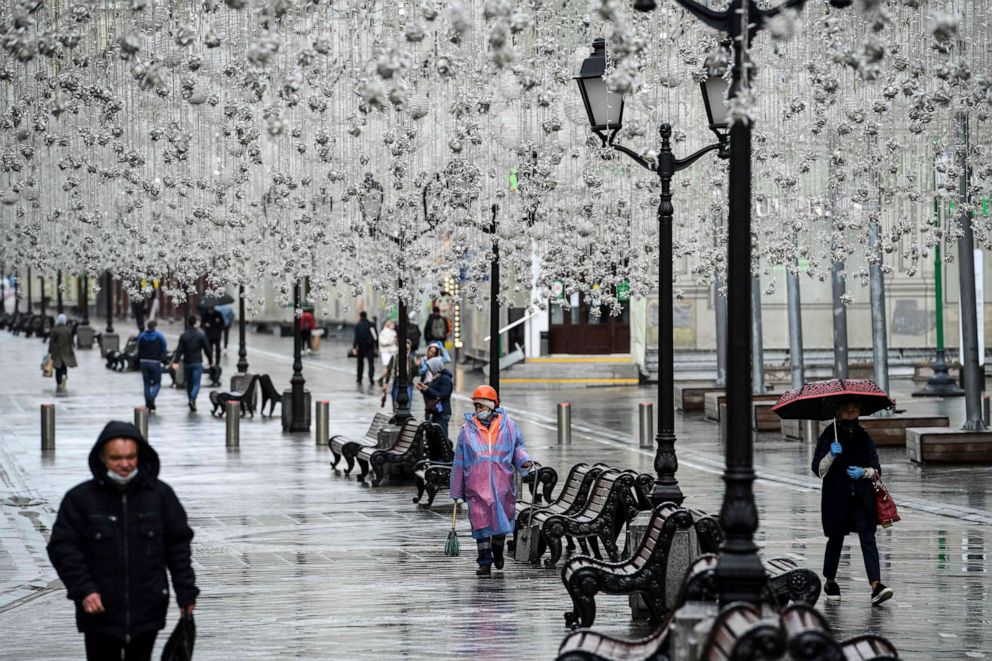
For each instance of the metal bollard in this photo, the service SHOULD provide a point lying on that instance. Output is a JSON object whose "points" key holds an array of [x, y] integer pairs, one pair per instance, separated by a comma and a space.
{"points": [[564, 423], [47, 427], [646, 416], [810, 431], [987, 410], [322, 431], [141, 420], [232, 411]]}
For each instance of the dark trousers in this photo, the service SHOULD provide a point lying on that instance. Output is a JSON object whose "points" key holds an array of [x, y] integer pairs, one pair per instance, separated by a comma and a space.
{"points": [[366, 356], [215, 348], [227, 335], [306, 337], [60, 373], [489, 548], [139, 319], [869, 550], [101, 647], [442, 420]]}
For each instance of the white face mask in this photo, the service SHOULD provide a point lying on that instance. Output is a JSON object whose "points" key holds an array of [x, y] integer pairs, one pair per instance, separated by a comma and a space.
{"points": [[484, 414], [117, 479]]}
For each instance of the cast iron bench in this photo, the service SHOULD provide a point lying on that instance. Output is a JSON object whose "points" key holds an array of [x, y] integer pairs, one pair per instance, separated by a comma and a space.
{"points": [[586, 644], [645, 572], [269, 394], [126, 357], [347, 447], [571, 500], [434, 475], [739, 634], [788, 582], [808, 639], [406, 452], [610, 504], [243, 393]]}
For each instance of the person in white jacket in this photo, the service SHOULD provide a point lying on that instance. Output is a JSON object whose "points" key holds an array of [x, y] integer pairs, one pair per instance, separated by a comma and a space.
{"points": [[389, 343]]}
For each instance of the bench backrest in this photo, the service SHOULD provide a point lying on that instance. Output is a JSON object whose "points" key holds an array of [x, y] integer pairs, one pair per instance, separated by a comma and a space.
{"points": [[806, 631], [407, 436], [241, 382], [269, 388], [379, 420], [573, 496], [608, 482], [740, 625]]}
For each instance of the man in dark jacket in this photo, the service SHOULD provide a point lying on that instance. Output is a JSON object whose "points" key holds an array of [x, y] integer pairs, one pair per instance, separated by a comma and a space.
{"points": [[363, 345], [113, 539], [213, 327], [192, 346], [151, 348], [437, 394]]}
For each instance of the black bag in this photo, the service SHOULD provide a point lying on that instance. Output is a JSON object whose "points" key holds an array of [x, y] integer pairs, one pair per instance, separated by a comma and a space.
{"points": [[179, 647]]}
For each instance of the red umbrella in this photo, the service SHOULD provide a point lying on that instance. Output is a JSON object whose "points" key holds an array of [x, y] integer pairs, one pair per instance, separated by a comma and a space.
{"points": [[819, 400]]}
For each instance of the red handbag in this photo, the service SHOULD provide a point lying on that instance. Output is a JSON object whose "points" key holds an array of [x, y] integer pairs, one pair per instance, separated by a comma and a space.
{"points": [[885, 507]]}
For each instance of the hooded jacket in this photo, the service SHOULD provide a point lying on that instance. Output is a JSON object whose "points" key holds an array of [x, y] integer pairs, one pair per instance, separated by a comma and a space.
{"points": [[119, 541], [482, 473]]}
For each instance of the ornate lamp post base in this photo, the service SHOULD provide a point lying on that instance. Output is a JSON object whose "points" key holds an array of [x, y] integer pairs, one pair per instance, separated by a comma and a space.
{"points": [[941, 383]]}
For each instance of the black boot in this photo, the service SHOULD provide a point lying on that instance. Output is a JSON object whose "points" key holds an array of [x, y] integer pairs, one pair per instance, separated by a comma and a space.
{"points": [[498, 545]]}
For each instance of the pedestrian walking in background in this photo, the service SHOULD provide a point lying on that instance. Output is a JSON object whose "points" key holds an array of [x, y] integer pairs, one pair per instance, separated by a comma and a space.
{"points": [[61, 351], [490, 447], [307, 324], [138, 308], [115, 536], [847, 461], [151, 347], [437, 394], [436, 327], [192, 347], [213, 327], [393, 377], [363, 346], [389, 345], [227, 312]]}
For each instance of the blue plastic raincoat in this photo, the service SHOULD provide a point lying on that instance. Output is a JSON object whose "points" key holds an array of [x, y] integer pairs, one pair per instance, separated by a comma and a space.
{"points": [[482, 475]]}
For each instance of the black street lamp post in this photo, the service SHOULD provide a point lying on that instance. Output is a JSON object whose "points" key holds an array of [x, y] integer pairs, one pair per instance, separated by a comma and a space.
{"points": [[30, 303], [739, 573], [41, 283], [242, 351], [606, 114], [297, 382], [58, 292], [494, 308], [84, 299], [109, 289], [402, 377]]}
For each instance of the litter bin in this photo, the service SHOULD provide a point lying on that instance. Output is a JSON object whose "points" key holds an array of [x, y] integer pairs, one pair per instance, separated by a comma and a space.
{"points": [[545, 343]]}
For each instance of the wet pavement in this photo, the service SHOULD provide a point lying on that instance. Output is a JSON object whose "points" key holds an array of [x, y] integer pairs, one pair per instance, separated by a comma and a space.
{"points": [[297, 561]]}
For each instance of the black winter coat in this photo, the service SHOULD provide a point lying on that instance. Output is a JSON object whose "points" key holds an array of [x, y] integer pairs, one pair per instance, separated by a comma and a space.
{"points": [[119, 541], [847, 505]]}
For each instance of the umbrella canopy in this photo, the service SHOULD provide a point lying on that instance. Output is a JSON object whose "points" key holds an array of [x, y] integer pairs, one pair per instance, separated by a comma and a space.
{"points": [[819, 400], [214, 301]]}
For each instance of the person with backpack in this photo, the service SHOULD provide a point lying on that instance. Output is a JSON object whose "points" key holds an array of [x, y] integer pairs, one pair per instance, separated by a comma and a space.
{"points": [[437, 394], [193, 345], [151, 347], [436, 328], [363, 346]]}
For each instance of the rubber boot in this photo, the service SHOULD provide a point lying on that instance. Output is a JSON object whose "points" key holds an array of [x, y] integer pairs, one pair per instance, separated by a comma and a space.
{"points": [[499, 543], [485, 558]]}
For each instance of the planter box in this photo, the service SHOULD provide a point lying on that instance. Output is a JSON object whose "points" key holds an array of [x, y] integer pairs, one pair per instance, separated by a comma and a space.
{"points": [[943, 444], [891, 432], [692, 396]]}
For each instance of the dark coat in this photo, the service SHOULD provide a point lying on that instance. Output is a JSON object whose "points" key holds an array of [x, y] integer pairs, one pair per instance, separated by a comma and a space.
{"points": [[213, 324], [364, 337], [193, 345], [440, 389], [118, 542], [60, 347], [847, 505]]}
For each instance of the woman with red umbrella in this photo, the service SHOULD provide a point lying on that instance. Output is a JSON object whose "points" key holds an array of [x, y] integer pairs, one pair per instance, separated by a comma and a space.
{"points": [[847, 461]]}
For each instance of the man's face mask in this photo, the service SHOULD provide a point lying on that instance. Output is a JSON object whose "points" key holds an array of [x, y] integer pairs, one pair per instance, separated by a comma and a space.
{"points": [[121, 480], [484, 414]]}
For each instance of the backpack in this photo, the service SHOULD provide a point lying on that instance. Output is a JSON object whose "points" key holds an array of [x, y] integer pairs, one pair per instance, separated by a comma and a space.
{"points": [[439, 328]]}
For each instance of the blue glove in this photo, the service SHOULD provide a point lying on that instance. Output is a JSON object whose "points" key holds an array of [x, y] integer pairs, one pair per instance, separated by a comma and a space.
{"points": [[835, 448], [855, 473]]}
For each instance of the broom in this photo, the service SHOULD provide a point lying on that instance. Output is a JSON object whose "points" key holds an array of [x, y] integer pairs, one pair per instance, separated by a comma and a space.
{"points": [[451, 546]]}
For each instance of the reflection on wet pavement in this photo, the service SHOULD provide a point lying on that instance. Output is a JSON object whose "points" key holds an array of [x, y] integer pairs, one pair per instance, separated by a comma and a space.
{"points": [[297, 561]]}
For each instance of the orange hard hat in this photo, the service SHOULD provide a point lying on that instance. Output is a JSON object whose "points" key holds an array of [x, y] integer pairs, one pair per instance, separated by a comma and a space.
{"points": [[485, 392]]}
